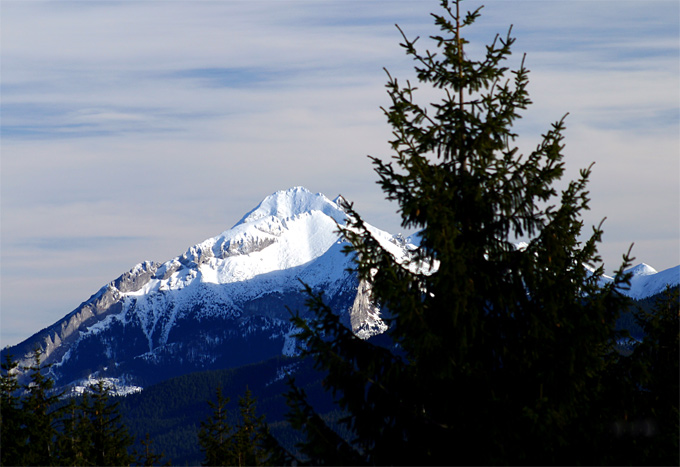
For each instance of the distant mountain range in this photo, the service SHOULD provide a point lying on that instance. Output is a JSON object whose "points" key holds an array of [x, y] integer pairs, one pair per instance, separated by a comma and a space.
{"points": [[225, 302]]}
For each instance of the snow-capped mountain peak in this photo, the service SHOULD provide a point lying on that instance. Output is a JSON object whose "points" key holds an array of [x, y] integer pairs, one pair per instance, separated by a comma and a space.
{"points": [[225, 301], [287, 229], [293, 202]]}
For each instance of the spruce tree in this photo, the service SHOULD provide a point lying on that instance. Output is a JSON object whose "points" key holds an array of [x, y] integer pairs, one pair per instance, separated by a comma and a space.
{"points": [[11, 416], [148, 457], [41, 415], [251, 433], [500, 353], [215, 435], [109, 442], [73, 444]]}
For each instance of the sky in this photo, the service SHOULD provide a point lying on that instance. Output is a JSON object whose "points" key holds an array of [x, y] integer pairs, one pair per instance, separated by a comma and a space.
{"points": [[132, 130]]}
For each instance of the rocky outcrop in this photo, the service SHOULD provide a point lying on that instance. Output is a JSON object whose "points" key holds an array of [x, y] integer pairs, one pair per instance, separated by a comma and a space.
{"points": [[365, 314], [136, 278]]}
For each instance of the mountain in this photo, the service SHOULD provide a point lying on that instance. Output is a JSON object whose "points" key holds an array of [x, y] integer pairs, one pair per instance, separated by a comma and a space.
{"points": [[225, 302]]}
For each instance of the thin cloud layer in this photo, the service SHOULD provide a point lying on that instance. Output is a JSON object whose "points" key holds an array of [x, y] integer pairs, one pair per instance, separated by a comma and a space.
{"points": [[132, 130]]}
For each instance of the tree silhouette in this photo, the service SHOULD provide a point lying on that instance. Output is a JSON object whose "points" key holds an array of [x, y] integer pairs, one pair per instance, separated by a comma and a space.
{"points": [[40, 416], [11, 416], [499, 353], [109, 440], [249, 442], [148, 457], [215, 435]]}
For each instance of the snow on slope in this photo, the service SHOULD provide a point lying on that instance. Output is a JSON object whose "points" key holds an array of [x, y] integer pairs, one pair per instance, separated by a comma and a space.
{"points": [[288, 229]]}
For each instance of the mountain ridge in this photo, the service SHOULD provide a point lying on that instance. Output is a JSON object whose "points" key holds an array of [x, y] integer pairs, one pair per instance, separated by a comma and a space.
{"points": [[224, 301]]}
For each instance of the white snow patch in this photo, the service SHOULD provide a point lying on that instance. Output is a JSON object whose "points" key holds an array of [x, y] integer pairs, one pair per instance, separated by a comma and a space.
{"points": [[290, 348], [283, 372], [116, 386]]}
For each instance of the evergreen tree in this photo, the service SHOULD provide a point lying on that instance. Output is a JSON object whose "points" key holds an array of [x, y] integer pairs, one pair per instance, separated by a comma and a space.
{"points": [[254, 444], [40, 416], [11, 415], [248, 434], [322, 445], [109, 440], [40, 429], [499, 354], [149, 457], [215, 435], [73, 444]]}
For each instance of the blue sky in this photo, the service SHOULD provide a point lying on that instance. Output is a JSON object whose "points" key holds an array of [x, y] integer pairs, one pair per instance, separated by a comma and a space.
{"points": [[133, 130]]}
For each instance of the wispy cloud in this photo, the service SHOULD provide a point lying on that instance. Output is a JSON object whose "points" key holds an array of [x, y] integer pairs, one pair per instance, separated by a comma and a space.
{"points": [[234, 77], [76, 243]]}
